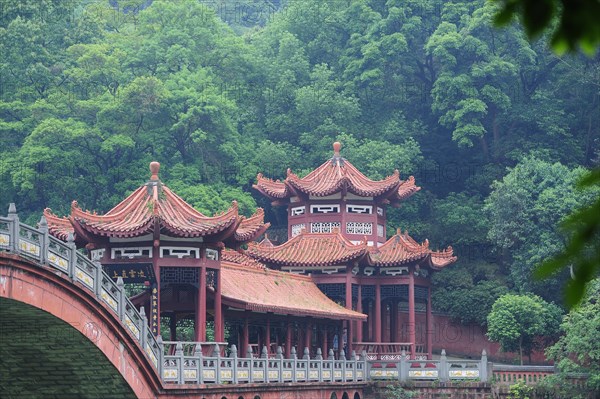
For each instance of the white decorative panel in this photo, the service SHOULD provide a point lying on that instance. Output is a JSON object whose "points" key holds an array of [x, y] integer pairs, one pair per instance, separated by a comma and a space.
{"points": [[299, 210], [359, 228], [323, 227], [212, 254], [366, 209], [179, 252], [131, 252], [329, 208], [379, 230], [97, 254], [297, 229], [380, 211]]}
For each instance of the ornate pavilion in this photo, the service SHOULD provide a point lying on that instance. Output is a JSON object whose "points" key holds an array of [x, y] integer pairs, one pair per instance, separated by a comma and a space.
{"points": [[336, 283]]}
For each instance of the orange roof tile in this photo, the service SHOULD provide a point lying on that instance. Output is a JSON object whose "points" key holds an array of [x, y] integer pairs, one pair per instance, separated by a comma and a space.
{"points": [[59, 227], [335, 175], [279, 292], [402, 248], [250, 228], [309, 250], [240, 258]]}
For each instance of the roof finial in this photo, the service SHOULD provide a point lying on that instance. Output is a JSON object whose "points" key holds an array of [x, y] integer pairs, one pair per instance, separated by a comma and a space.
{"points": [[336, 148], [154, 168]]}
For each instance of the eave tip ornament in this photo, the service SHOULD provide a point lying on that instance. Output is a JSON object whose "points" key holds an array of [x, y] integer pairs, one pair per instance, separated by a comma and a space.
{"points": [[337, 146], [154, 169]]}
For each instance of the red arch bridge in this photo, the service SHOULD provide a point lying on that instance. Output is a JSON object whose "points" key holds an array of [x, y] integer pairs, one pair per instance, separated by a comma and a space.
{"points": [[69, 330]]}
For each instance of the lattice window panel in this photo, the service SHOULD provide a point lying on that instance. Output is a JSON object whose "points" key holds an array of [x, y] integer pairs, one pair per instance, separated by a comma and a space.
{"points": [[379, 230], [333, 291], [297, 229], [359, 228], [380, 211], [365, 209], [212, 278], [330, 208], [394, 291], [367, 291], [324, 227], [179, 275]]}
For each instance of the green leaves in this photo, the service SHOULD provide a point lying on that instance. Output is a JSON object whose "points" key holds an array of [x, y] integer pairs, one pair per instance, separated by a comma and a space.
{"points": [[515, 320]]}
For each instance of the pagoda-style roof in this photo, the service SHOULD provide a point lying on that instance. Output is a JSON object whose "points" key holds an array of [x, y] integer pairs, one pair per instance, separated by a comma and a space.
{"points": [[327, 249], [266, 290], [402, 248], [309, 250], [249, 229], [337, 175], [154, 208]]}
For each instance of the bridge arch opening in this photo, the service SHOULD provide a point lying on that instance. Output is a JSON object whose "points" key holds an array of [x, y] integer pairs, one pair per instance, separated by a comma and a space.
{"points": [[333, 396], [356, 395], [345, 396], [44, 356]]}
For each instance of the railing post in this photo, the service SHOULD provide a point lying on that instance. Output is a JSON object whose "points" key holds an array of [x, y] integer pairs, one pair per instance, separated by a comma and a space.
{"points": [[13, 228], [443, 367], [72, 256], [233, 355], [365, 365], [483, 370], [250, 364], [343, 361], [331, 361], [121, 304], [218, 363], [403, 365], [161, 354], [97, 278], [319, 358], [294, 359], [199, 363], [279, 357], [144, 329], [354, 363], [265, 355], [43, 228], [179, 354], [306, 357]]}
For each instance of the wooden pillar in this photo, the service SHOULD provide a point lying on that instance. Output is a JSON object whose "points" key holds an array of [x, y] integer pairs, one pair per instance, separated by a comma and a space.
{"points": [[411, 313], [359, 323], [201, 307], [377, 337], [245, 336], [219, 321], [349, 333], [288, 338], [268, 335], [325, 341], [394, 320], [308, 335], [429, 325]]}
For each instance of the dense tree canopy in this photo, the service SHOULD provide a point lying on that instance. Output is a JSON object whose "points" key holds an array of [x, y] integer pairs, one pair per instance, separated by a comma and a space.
{"points": [[495, 129]]}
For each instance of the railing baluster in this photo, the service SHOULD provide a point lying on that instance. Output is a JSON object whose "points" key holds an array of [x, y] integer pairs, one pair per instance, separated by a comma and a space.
{"points": [[13, 228]]}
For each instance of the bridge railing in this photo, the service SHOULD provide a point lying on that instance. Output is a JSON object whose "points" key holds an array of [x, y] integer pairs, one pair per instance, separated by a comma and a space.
{"points": [[40, 246], [196, 368], [443, 369]]}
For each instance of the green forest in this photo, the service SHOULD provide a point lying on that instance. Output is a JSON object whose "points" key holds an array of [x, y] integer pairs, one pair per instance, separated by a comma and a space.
{"points": [[496, 129]]}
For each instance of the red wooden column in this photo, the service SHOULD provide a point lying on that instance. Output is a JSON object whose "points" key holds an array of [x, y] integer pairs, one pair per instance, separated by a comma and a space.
{"points": [[201, 307], [359, 323], [349, 332], [307, 336], [288, 339], [246, 337], [411, 313], [324, 344], [377, 337], [429, 325], [268, 335], [219, 327]]}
